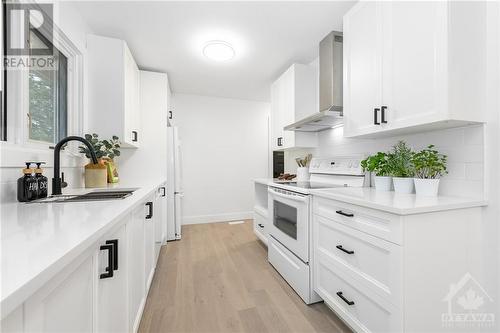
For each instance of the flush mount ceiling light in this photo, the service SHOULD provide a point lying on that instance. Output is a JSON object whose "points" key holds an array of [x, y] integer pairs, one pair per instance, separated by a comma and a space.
{"points": [[218, 50]]}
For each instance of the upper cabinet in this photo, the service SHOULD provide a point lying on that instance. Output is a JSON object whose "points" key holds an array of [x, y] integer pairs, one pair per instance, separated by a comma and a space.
{"points": [[113, 87], [411, 66], [293, 97]]}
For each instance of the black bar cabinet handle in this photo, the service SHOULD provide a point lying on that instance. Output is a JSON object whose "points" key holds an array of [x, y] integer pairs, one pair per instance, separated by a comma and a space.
{"points": [[114, 242], [383, 109], [344, 214], [134, 136], [109, 268], [280, 141], [340, 294], [342, 249], [150, 213], [375, 116], [260, 225], [170, 114], [163, 191]]}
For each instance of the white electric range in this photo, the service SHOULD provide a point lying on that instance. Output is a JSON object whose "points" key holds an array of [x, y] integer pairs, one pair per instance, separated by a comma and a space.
{"points": [[290, 217]]}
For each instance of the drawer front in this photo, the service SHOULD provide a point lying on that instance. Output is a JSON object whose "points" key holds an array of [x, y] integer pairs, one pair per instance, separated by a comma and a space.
{"points": [[366, 311], [259, 226], [371, 261], [291, 268], [377, 223]]}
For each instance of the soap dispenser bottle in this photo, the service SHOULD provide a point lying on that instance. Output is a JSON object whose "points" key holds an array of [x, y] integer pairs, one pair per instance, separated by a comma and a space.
{"points": [[27, 188], [42, 181]]}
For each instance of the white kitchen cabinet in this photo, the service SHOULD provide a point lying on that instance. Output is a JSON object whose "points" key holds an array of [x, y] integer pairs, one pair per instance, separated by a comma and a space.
{"points": [[65, 304], [405, 66], [293, 97], [113, 90], [112, 312], [160, 220], [260, 211], [135, 263], [149, 240], [386, 272]]}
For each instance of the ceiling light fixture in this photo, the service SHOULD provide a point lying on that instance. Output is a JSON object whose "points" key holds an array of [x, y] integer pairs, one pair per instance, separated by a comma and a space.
{"points": [[218, 50]]}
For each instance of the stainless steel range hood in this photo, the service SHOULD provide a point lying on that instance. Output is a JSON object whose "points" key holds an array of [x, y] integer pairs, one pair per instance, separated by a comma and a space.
{"points": [[330, 88]]}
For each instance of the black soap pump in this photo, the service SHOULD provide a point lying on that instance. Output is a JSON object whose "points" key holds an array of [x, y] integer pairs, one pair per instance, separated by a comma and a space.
{"points": [[27, 187], [42, 181]]}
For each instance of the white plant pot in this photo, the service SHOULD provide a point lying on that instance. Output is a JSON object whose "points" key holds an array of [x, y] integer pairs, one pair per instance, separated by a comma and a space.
{"points": [[302, 174], [427, 187], [383, 184], [403, 185]]}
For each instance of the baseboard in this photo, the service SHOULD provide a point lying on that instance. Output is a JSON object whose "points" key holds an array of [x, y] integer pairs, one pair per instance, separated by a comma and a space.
{"points": [[217, 218]]}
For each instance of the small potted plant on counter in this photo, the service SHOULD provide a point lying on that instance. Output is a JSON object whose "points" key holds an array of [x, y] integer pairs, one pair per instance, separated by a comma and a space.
{"points": [[430, 166], [401, 167], [378, 164], [98, 175]]}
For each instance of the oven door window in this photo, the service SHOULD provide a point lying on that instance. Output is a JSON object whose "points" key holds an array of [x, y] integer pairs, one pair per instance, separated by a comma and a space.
{"points": [[285, 218]]}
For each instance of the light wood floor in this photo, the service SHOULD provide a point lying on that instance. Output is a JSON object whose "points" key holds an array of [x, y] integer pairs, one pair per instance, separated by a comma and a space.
{"points": [[217, 279]]}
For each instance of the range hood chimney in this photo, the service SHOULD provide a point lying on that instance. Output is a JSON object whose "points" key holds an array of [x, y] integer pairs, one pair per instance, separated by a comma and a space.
{"points": [[330, 88]]}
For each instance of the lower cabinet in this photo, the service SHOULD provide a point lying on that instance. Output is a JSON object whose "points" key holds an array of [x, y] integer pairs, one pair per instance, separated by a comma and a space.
{"points": [[104, 289], [136, 279], [112, 282], [65, 304], [383, 272], [260, 226]]}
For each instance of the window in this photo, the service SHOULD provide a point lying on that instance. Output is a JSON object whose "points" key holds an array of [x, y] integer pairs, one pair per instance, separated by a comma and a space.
{"points": [[47, 116]]}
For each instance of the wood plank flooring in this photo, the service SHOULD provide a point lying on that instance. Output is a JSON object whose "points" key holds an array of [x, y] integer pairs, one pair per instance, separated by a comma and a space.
{"points": [[217, 279]]}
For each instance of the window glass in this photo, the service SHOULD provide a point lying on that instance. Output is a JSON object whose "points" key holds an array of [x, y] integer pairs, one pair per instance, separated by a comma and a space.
{"points": [[47, 118]]}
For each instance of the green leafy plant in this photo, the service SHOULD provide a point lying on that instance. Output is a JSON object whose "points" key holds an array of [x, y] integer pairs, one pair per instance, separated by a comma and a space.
{"points": [[400, 161], [429, 163], [102, 148], [377, 163]]}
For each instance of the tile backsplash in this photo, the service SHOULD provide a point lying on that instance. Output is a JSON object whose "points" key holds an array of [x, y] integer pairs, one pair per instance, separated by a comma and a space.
{"points": [[464, 147]]}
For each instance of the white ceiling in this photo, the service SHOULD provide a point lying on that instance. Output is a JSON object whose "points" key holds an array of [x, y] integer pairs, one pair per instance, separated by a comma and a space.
{"points": [[267, 36]]}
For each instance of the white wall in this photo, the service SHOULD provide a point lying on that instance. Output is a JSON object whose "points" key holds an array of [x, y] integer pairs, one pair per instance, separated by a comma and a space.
{"points": [[224, 147], [12, 156]]}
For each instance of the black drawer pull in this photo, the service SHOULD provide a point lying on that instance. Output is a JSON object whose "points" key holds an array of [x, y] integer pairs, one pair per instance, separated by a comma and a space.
{"points": [[163, 191], [375, 116], [260, 225], [109, 268], [344, 214], [339, 294], [114, 242], [383, 109], [150, 213], [134, 136], [344, 250]]}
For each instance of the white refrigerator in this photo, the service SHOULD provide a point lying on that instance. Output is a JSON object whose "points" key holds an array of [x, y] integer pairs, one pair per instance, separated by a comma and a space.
{"points": [[174, 184]]}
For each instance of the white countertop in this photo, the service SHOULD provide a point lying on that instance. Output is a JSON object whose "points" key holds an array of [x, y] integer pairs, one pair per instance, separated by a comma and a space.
{"points": [[396, 203], [40, 239]]}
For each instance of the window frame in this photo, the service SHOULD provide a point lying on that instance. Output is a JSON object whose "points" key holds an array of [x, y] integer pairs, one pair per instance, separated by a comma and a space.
{"points": [[16, 87]]}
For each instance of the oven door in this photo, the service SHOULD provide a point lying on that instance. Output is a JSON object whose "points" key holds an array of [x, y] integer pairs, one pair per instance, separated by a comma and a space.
{"points": [[289, 220]]}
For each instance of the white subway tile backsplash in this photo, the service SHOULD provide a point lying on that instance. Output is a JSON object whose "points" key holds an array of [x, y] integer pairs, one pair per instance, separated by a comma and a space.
{"points": [[474, 171], [474, 135], [464, 147]]}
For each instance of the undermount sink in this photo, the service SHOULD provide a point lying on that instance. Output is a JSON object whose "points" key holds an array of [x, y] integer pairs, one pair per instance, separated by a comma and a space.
{"points": [[90, 196]]}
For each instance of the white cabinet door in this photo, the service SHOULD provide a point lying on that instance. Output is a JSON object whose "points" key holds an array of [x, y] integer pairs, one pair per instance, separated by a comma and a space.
{"points": [[287, 106], [414, 62], [276, 117], [160, 220], [135, 265], [131, 88], [65, 304], [362, 68], [149, 240], [112, 313]]}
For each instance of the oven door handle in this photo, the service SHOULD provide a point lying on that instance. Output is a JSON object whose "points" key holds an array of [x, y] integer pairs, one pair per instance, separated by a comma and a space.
{"points": [[290, 197]]}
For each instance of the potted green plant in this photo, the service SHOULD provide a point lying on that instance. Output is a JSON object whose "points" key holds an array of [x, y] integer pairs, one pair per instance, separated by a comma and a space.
{"points": [[98, 175], [430, 166], [379, 166], [401, 167]]}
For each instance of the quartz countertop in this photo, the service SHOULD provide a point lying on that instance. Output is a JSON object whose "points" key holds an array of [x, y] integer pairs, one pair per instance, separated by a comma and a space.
{"points": [[40, 239], [397, 203]]}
